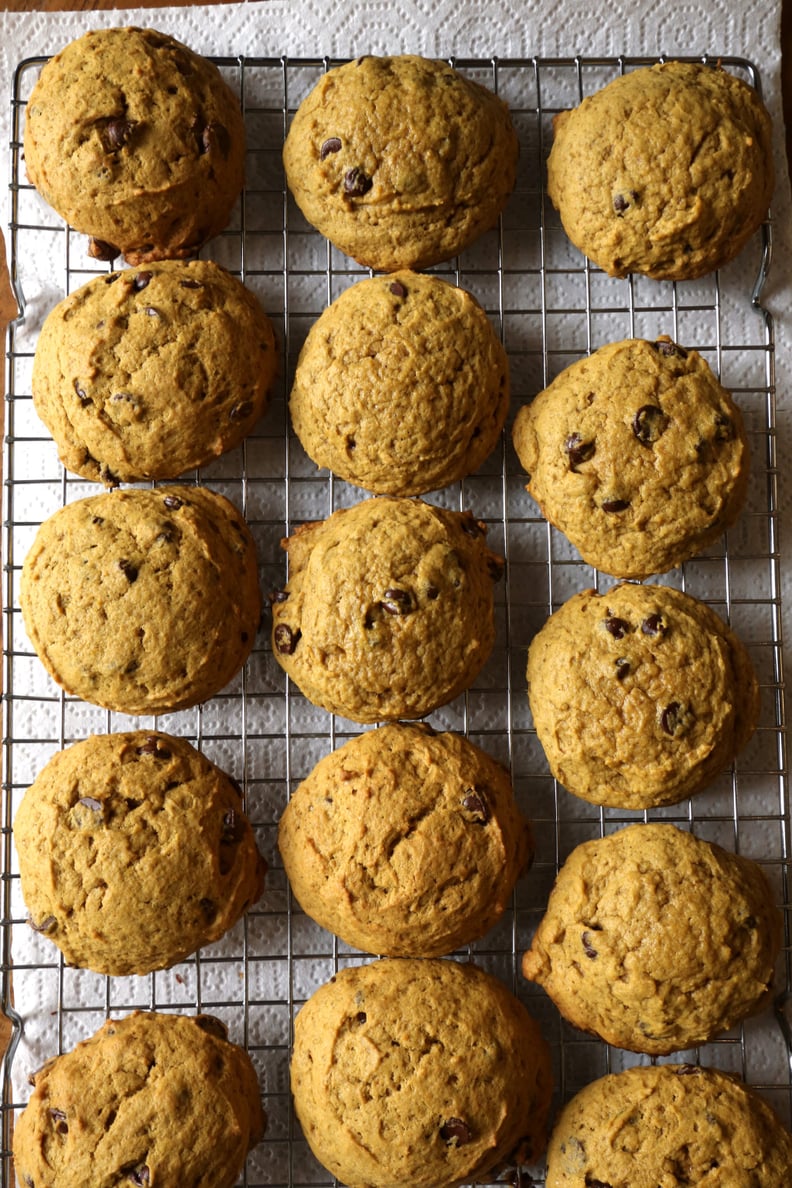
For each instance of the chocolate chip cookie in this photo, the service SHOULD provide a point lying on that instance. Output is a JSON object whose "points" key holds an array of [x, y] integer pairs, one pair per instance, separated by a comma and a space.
{"points": [[401, 162], [388, 611], [668, 1124], [150, 372], [402, 385], [148, 1099], [656, 940], [134, 852], [137, 142], [143, 601], [667, 170], [640, 695], [405, 842], [637, 454], [420, 1072]]}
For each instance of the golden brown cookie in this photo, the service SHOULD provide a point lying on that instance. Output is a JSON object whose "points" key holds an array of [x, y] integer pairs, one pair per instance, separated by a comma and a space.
{"points": [[134, 852], [136, 141], [150, 372], [656, 940], [637, 454], [640, 695], [674, 1124], [405, 842], [143, 601], [401, 162], [148, 1099], [419, 1072], [388, 611], [402, 385], [667, 170]]}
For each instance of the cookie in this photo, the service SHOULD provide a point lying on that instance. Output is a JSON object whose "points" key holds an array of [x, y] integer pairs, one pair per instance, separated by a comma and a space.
{"points": [[402, 385], [656, 940], [637, 454], [405, 842], [148, 1099], [668, 1124], [400, 162], [143, 601], [666, 171], [420, 1072], [136, 141], [388, 611], [640, 695], [150, 372], [134, 852]]}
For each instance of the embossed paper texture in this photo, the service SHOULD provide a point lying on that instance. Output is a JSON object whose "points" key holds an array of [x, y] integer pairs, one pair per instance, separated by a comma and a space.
{"points": [[550, 311]]}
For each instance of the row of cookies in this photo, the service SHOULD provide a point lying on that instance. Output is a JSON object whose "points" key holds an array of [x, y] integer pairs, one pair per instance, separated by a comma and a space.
{"points": [[394, 601]]}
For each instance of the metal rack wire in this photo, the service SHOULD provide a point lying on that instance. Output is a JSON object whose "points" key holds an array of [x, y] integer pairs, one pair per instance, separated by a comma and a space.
{"points": [[551, 307]]}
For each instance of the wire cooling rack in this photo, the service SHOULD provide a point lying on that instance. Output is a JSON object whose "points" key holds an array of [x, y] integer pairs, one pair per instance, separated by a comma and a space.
{"points": [[551, 307]]}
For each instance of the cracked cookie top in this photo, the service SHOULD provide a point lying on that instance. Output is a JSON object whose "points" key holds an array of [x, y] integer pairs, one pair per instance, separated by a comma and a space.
{"points": [[137, 142], [667, 170], [400, 162], [150, 372]]}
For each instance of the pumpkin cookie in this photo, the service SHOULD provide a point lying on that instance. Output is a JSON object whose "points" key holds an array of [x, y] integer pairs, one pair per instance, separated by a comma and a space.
{"points": [[671, 1123], [148, 1099], [150, 372], [667, 170], [405, 842], [656, 940], [420, 1072], [143, 601], [637, 454], [388, 611], [640, 695], [401, 162], [136, 141], [134, 852], [402, 385]]}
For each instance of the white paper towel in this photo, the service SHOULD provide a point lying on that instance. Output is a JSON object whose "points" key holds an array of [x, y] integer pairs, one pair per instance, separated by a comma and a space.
{"points": [[486, 29]]}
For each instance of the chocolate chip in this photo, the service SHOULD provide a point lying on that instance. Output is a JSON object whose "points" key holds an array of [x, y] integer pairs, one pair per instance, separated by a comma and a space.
{"points": [[151, 312], [279, 596], [653, 625], [212, 1026], [475, 801], [141, 280], [687, 1070], [611, 506], [455, 1132], [356, 182], [137, 1173], [154, 746], [232, 832], [215, 136], [620, 203], [432, 593], [592, 1183], [128, 569], [240, 411], [616, 627], [588, 948], [59, 1118], [668, 349], [361, 1017], [172, 502], [331, 145], [285, 639], [47, 925], [190, 284], [99, 249], [81, 393], [398, 289], [675, 719], [397, 602], [649, 424], [622, 668], [578, 450], [116, 133], [90, 802], [209, 909], [724, 428]]}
